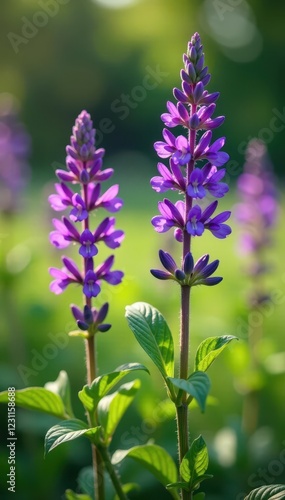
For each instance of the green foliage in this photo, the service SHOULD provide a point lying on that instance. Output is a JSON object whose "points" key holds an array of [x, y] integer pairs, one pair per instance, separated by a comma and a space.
{"points": [[71, 495], [85, 481], [61, 386], [111, 408], [153, 334], [195, 463], [90, 396], [197, 385], [272, 492], [209, 350], [68, 430], [127, 488], [155, 459], [39, 399]]}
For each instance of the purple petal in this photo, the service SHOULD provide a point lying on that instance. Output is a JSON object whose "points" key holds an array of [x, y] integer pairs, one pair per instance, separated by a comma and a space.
{"points": [[72, 268]]}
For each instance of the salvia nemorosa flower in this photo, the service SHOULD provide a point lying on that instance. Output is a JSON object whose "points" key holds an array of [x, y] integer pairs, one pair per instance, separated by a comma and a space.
{"points": [[15, 148], [194, 169], [257, 211], [79, 193]]}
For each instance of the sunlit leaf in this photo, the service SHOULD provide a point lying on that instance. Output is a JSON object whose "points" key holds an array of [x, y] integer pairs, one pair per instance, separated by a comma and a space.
{"points": [[272, 492], [195, 462], [197, 385], [67, 430], [91, 395], [155, 459], [209, 350], [153, 334], [61, 387], [179, 485], [39, 399], [111, 408]]}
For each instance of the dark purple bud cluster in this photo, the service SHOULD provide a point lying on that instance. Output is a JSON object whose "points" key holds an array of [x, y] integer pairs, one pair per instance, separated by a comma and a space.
{"points": [[84, 171], [191, 274]]}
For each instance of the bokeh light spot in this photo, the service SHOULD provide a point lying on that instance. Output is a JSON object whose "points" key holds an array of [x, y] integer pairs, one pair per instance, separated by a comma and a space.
{"points": [[115, 4]]}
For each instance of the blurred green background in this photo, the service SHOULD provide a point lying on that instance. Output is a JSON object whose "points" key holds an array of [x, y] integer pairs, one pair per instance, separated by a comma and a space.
{"points": [[120, 59]]}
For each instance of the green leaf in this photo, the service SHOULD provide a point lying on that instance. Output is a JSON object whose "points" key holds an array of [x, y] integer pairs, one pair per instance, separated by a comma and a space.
{"points": [[195, 462], [111, 408], [61, 387], [209, 350], [179, 485], [67, 430], [71, 495], [197, 385], [39, 399], [127, 488], [272, 492], [91, 395], [153, 334], [155, 459], [200, 496]]}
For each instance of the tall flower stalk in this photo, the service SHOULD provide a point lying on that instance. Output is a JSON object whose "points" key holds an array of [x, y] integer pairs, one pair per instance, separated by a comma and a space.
{"points": [[256, 214], [84, 173], [193, 173]]}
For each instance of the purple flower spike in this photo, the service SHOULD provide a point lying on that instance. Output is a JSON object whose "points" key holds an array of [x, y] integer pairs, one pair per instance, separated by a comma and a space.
{"points": [[193, 171], [84, 171], [257, 214], [14, 156]]}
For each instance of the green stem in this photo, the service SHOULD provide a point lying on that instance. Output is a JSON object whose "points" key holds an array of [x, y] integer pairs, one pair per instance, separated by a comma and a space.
{"points": [[97, 462], [112, 473], [181, 404]]}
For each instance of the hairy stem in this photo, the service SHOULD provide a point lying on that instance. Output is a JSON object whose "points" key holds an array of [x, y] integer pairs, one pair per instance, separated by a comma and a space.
{"points": [[98, 466], [112, 473]]}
